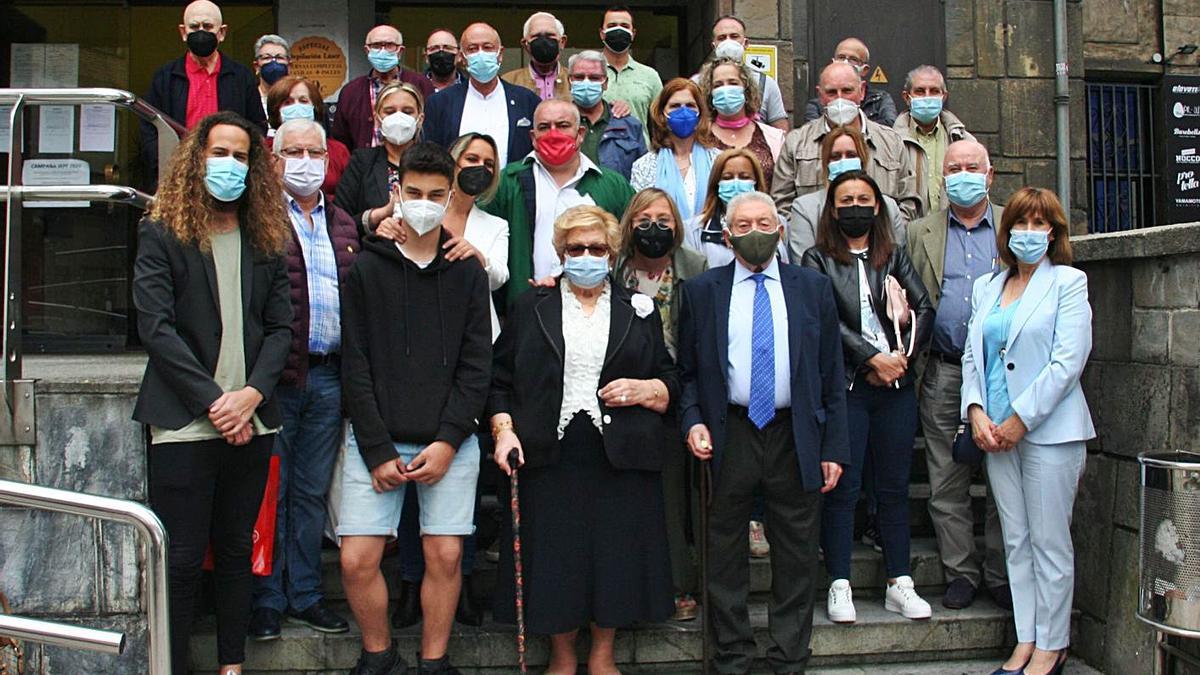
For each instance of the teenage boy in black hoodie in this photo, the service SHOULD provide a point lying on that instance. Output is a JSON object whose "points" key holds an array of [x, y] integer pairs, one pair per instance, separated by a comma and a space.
{"points": [[416, 363]]}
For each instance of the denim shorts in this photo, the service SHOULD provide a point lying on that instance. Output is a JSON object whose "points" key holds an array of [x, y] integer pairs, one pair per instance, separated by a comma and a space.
{"points": [[447, 506]]}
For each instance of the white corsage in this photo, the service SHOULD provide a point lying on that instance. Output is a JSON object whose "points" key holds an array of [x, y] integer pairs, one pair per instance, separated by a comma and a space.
{"points": [[642, 304]]}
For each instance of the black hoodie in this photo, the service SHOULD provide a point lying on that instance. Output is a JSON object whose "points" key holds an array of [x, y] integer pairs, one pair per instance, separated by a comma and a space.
{"points": [[416, 349]]}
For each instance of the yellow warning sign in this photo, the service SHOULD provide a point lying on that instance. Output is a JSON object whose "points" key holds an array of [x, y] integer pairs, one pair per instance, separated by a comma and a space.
{"points": [[879, 77]]}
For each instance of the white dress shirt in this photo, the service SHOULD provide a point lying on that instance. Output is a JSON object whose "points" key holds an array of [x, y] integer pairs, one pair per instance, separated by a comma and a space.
{"points": [[585, 339], [551, 201], [741, 326], [487, 115]]}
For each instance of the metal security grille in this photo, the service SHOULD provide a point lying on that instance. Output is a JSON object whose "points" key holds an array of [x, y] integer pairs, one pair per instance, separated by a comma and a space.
{"points": [[1122, 170]]}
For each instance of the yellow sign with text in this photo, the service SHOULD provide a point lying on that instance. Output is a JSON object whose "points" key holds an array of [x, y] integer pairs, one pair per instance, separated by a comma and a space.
{"points": [[763, 59]]}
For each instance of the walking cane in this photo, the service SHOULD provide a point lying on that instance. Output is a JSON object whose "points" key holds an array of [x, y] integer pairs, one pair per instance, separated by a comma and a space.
{"points": [[705, 502], [517, 572]]}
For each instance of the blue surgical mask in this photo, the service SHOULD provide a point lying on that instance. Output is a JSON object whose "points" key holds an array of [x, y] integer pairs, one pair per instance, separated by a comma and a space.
{"points": [[296, 111], [841, 166], [585, 271], [273, 72], [225, 178], [382, 60], [925, 109], [728, 189], [1028, 245], [586, 93], [483, 66], [683, 121], [966, 188], [729, 99]]}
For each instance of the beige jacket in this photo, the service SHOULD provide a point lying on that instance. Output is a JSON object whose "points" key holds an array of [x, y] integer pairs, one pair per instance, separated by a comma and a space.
{"points": [[522, 78], [955, 131]]}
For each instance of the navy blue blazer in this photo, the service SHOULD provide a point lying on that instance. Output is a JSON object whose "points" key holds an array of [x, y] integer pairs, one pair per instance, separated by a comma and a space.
{"points": [[444, 111], [814, 342]]}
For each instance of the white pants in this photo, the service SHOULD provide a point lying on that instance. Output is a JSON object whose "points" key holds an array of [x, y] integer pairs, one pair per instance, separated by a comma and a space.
{"points": [[1034, 487]]}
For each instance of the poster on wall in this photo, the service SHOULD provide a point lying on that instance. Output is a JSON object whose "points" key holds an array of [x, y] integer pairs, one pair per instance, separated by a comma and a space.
{"points": [[1181, 106], [319, 44]]}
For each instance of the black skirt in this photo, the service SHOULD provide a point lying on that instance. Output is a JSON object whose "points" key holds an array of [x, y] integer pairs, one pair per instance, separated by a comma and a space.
{"points": [[593, 542]]}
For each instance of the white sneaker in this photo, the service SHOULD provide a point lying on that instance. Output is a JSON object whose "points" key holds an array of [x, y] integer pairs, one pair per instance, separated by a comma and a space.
{"points": [[759, 548], [902, 598], [840, 605]]}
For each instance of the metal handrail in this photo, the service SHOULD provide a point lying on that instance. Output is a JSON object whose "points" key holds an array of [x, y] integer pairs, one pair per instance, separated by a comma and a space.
{"points": [[117, 194], [149, 528], [62, 635]]}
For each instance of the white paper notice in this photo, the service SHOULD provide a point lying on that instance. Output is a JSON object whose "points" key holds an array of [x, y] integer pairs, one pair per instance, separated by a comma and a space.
{"points": [[97, 128], [55, 172], [28, 61], [5, 130], [61, 67], [56, 129]]}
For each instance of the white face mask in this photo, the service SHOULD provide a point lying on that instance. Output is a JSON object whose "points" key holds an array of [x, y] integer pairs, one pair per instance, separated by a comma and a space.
{"points": [[422, 215], [841, 111], [729, 49], [303, 176], [398, 128]]}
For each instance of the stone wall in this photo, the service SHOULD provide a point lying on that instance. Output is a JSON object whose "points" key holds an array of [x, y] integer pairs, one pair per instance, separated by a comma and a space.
{"points": [[1143, 386]]}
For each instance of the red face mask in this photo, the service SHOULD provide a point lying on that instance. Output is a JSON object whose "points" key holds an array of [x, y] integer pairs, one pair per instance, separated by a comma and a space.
{"points": [[555, 147]]}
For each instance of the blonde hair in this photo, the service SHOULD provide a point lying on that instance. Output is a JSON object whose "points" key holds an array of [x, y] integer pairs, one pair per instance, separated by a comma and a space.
{"points": [[460, 146], [640, 202], [395, 87], [586, 217]]}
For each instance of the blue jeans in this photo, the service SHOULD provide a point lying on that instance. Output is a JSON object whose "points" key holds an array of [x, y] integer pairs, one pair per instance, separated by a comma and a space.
{"points": [[882, 423], [307, 446]]}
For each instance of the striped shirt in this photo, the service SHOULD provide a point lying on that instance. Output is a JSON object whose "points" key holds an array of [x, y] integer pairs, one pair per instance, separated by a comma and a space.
{"points": [[324, 306]]}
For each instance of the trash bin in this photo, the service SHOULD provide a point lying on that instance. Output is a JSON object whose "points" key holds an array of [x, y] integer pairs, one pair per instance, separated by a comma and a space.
{"points": [[1169, 587]]}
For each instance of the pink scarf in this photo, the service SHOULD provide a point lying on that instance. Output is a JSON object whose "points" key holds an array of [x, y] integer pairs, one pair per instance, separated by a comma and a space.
{"points": [[734, 124]]}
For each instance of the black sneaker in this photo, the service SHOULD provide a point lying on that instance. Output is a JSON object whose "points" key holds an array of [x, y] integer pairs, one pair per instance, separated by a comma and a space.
{"points": [[380, 663], [320, 618], [438, 666], [1002, 596], [264, 625], [959, 594]]}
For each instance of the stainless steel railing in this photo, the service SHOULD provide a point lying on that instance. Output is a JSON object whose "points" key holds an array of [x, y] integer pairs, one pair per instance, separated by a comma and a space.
{"points": [[150, 530], [117, 194]]}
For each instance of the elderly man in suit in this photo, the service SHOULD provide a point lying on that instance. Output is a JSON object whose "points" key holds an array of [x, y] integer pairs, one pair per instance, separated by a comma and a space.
{"points": [[951, 249], [764, 397]]}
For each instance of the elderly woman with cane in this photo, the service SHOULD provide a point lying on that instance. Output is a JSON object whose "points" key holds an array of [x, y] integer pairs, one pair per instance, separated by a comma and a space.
{"points": [[581, 381]]}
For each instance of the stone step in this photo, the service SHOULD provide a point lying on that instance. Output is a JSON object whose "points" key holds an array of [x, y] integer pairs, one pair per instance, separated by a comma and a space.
{"points": [[982, 631]]}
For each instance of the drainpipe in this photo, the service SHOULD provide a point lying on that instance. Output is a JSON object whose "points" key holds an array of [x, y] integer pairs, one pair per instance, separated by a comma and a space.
{"points": [[1062, 110]]}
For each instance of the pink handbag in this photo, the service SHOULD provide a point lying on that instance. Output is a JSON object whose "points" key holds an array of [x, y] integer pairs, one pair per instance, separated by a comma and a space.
{"points": [[900, 313]]}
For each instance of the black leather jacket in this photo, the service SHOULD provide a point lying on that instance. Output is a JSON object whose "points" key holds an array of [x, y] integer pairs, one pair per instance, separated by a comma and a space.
{"points": [[856, 350]]}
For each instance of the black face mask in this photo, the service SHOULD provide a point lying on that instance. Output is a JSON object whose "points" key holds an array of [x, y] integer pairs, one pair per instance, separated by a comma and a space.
{"points": [[441, 63], [653, 242], [202, 43], [618, 39], [474, 179], [855, 221], [543, 49]]}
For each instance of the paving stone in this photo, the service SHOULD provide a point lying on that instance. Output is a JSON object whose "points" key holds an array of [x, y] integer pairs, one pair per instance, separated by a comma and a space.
{"points": [[1112, 21], [133, 661], [80, 434], [761, 16], [1185, 337], [1091, 533], [1109, 387], [1185, 408], [1026, 129], [1129, 643], [1167, 282], [1110, 296], [960, 32], [1151, 335], [977, 104], [47, 562], [990, 38], [120, 569], [16, 463]]}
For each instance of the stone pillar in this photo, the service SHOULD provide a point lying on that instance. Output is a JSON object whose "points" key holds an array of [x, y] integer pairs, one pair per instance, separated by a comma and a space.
{"points": [[770, 22]]}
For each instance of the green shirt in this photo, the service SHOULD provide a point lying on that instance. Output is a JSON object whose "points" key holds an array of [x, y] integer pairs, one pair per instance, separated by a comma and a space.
{"points": [[591, 142], [934, 145], [637, 85]]}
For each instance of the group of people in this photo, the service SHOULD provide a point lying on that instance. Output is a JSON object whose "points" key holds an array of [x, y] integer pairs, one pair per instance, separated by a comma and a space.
{"points": [[479, 269]]}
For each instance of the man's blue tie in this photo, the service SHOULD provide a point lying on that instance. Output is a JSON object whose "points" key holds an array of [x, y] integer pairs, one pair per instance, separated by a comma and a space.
{"points": [[762, 357]]}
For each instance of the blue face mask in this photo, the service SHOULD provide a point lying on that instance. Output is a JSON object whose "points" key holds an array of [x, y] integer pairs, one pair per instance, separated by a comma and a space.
{"points": [[296, 111], [585, 271], [966, 188], [586, 93], [683, 121], [925, 109], [483, 66], [730, 99], [225, 178], [1028, 245], [728, 189], [382, 60], [841, 166], [273, 72]]}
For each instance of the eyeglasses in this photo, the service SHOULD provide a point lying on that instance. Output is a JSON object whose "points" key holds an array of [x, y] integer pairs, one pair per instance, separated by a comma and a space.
{"points": [[594, 250], [385, 46], [298, 153], [433, 49], [267, 58], [646, 224], [744, 226], [848, 59]]}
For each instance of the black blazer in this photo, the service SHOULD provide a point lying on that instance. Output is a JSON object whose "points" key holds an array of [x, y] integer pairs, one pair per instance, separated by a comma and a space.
{"points": [[444, 111], [818, 388], [527, 378], [845, 289], [364, 183], [179, 321]]}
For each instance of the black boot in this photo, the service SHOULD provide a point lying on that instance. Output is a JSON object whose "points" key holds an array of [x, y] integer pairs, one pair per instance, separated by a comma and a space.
{"points": [[467, 613], [408, 607], [439, 666]]}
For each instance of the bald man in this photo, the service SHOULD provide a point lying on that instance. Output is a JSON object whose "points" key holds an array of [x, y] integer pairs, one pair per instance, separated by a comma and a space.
{"points": [[354, 119], [950, 249], [877, 103], [484, 102], [202, 81]]}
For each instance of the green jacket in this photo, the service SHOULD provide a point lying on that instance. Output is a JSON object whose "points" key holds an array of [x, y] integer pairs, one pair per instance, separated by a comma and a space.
{"points": [[515, 201]]}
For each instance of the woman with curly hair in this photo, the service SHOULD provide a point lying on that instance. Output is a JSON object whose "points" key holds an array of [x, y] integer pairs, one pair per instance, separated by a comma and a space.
{"points": [[731, 92], [211, 292]]}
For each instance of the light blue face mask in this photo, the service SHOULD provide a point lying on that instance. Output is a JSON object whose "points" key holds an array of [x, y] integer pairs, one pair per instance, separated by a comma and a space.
{"points": [[1028, 245], [729, 99], [841, 166], [925, 109], [225, 178], [585, 271], [296, 111], [483, 66], [728, 189], [382, 60], [966, 188], [586, 93]]}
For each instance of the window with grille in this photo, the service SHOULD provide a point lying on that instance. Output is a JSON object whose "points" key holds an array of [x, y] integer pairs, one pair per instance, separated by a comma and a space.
{"points": [[1122, 169]]}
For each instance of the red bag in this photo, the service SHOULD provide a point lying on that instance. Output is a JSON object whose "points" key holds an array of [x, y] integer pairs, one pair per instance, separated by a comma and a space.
{"points": [[262, 550]]}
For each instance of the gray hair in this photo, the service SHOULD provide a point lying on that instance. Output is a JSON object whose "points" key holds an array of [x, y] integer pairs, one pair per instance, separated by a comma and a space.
{"points": [[271, 40], [556, 101], [590, 55], [558, 26], [924, 69], [743, 198], [297, 126]]}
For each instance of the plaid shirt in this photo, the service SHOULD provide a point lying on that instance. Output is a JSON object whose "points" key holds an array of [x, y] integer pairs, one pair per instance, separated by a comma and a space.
{"points": [[324, 306]]}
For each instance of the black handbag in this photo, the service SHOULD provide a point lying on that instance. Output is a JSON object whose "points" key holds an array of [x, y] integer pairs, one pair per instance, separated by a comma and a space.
{"points": [[965, 451]]}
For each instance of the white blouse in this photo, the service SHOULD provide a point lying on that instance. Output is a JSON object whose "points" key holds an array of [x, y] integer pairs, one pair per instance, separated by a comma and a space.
{"points": [[489, 234], [871, 327], [586, 340]]}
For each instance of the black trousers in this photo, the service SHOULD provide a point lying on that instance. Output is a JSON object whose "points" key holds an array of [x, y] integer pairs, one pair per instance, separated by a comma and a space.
{"points": [[755, 460], [209, 491]]}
